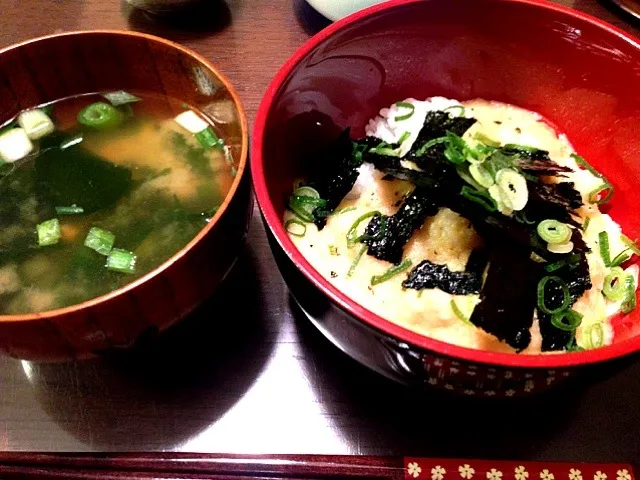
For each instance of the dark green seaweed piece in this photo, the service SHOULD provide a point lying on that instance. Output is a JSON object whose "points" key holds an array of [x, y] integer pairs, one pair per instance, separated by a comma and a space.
{"points": [[477, 261], [508, 297], [195, 156], [74, 176], [436, 125], [388, 245], [334, 172], [430, 275], [576, 276]]}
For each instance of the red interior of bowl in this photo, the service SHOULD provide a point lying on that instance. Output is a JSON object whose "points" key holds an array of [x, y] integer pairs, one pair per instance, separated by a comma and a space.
{"points": [[577, 71]]}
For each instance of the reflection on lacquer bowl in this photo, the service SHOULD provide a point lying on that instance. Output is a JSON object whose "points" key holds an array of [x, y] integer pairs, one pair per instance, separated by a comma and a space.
{"points": [[576, 71], [125, 198]]}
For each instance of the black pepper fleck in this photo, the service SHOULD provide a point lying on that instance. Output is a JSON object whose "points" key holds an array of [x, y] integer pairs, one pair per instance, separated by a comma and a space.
{"points": [[497, 122], [333, 274], [518, 130]]}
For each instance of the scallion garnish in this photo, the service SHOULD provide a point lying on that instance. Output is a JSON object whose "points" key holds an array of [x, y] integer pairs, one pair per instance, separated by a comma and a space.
{"points": [[356, 260], [100, 240], [585, 225], [340, 211], [407, 116], [72, 210], [603, 242], [404, 136], [304, 201], [594, 196], [584, 164], [524, 148], [566, 296], [383, 148], [554, 232], [427, 145], [552, 267], [629, 303], [120, 97], [479, 197], [392, 272], [594, 336], [208, 139], [352, 234], [121, 261], [456, 107], [295, 227], [521, 217], [457, 149], [333, 250], [486, 140], [481, 175], [630, 243], [70, 142], [458, 313], [567, 320], [100, 116], [620, 258], [48, 232], [614, 286]]}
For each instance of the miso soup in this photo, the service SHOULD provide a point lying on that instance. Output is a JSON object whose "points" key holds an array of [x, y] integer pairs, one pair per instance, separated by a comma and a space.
{"points": [[98, 190]]}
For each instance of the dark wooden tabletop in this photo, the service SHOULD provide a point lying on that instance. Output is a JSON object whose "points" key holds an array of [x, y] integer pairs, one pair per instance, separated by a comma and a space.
{"points": [[258, 378]]}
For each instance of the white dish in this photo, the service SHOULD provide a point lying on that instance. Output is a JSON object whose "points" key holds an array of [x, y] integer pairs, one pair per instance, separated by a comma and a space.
{"points": [[336, 9]]}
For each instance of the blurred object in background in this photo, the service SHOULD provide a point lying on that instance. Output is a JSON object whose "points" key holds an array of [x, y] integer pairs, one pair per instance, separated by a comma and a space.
{"points": [[632, 7], [336, 9], [167, 6]]}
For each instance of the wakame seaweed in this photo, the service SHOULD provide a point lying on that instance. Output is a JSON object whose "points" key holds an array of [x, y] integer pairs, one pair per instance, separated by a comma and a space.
{"points": [[333, 174], [508, 297], [388, 244], [431, 275], [74, 176]]}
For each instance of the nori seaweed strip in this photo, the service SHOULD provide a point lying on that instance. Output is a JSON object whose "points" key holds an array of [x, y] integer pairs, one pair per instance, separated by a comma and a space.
{"points": [[508, 296], [430, 275], [436, 125], [335, 171], [578, 279], [477, 261], [399, 226]]}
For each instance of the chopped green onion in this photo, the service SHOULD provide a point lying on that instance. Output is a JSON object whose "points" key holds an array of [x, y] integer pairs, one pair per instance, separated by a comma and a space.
{"points": [[392, 272], [629, 303], [456, 107], [383, 149], [524, 148], [552, 267], [572, 345], [100, 116], [565, 294], [14, 145], [340, 211], [513, 186], [479, 197], [594, 195], [584, 164], [457, 149], [295, 227], [614, 287], [458, 313], [630, 243], [72, 210], [620, 258], [121, 261], [603, 241], [585, 225], [70, 142], [48, 232], [306, 192], [404, 136], [36, 123], [352, 233], [407, 116], [100, 240], [554, 232], [594, 336], [568, 320], [427, 145], [560, 248], [333, 250], [521, 217], [463, 172], [356, 260], [304, 202], [120, 97], [377, 236], [208, 139], [486, 140], [481, 175]]}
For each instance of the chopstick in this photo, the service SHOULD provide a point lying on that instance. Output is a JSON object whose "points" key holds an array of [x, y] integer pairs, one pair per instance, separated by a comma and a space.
{"points": [[194, 466]]}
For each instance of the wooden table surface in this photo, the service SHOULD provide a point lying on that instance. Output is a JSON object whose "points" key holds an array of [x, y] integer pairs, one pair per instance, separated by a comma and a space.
{"points": [[258, 378]]}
